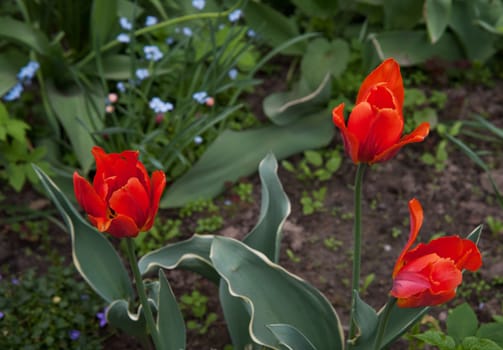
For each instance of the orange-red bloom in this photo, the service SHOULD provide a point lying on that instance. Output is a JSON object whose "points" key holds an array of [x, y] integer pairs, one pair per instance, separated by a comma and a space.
{"points": [[430, 273], [374, 129], [122, 200]]}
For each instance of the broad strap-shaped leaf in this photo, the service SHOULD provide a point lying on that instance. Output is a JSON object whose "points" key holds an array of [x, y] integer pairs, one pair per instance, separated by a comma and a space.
{"points": [[120, 317], [93, 255], [437, 14], [170, 323], [275, 296], [290, 337], [25, 34], [191, 254], [102, 22], [81, 115], [236, 154], [274, 209], [365, 318]]}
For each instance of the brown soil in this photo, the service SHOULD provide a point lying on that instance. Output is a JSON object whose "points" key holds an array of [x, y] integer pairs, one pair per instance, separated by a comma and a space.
{"points": [[455, 201]]}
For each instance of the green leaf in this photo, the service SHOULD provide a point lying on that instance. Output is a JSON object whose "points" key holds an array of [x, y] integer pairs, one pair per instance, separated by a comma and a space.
{"points": [[474, 343], [399, 14], [275, 296], [462, 322], [437, 338], [102, 22], [437, 14], [25, 34], [16, 128], [291, 337], [191, 254], [93, 255], [272, 26], [80, 114], [318, 8], [275, 208], [236, 154], [410, 48], [265, 237], [322, 57], [284, 108], [365, 318], [115, 67], [119, 316], [492, 331], [170, 323], [10, 63], [16, 176]]}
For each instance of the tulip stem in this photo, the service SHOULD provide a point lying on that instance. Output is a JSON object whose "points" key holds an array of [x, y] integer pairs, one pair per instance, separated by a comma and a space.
{"points": [[357, 245], [140, 288], [384, 322]]}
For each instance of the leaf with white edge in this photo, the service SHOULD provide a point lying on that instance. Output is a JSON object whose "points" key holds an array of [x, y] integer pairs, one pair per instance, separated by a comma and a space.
{"points": [[170, 323], [275, 296], [93, 255], [191, 254], [284, 108], [236, 154], [291, 337], [365, 318], [437, 14], [119, 316], [274, 209]]}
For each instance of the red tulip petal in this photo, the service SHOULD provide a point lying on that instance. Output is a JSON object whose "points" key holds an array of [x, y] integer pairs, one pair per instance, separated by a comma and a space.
{"points": [[114, 168], [407, 284], [418, 135], [123, 226], [416, 221], [360, 121], [386, 74], [426, 299], [381, 97], [132, 201], [444, 276], [384, 133], [88, 199], [351, 143], [158, 185]]}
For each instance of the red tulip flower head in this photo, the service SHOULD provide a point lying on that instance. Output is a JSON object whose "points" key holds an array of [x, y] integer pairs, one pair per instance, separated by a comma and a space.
{"points": [[374, 128], [430, 273], [122, 200]]}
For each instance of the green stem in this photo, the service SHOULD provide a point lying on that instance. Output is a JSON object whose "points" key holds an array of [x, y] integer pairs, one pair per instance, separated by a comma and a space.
{"points": [[151, 326], [357, 245], [384, 322]]}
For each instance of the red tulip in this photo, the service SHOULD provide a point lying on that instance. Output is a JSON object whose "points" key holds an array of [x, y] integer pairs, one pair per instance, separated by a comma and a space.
{"points": [[122, 200], [430, 273], [374, 129]]}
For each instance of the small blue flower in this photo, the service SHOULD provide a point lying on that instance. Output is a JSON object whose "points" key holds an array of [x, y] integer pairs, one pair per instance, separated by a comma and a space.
{"points": [[102, 317], [198, 4], [198, 140], [142, 73], [235, 15], [251, 33], [14, 93], [169, 40], [187, 31], [200, 96], [227, 202], [123, 38], [152, 53], [125, 24], [28, 72], [159, 106], [150, 21], [74, 334], [233, 74], [121, 87]]}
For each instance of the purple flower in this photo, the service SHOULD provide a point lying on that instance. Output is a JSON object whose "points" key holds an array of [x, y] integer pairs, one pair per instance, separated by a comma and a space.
{"points": [[125, 24], [123, 38], [15, 281], [198, 4], [74, 334], [150, 21], [2, 315], [235, 15], [102, 318], [14, 93], [152, 53]]}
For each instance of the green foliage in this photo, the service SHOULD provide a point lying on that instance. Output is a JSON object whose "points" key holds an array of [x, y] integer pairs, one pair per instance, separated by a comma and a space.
{"points": [[244, 191], [320, 165], [195, 308], [41, 310], [495, 225], [465, 333], [209, 224], [314, 202], [163, 231]]}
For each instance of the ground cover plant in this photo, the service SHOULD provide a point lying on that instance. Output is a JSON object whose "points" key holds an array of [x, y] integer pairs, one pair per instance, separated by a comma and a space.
{"points": [[255, 210]]}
